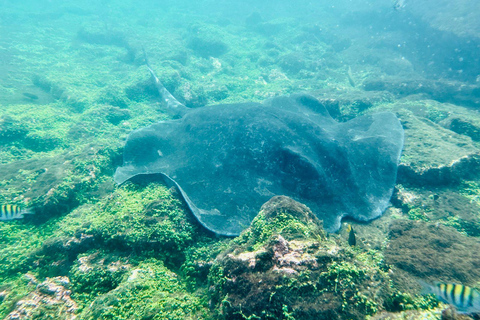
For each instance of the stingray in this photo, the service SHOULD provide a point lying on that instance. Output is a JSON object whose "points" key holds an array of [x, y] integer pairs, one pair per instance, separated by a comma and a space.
{"points": [[227, 160]]}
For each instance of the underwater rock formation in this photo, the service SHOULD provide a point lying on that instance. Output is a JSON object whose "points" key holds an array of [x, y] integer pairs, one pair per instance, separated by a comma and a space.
{"points": [[54, 185], [445, 15], [443, 91], [206, 42], [283, 265], [51, 299], [450, 156], [433, 252], [150, 291], [455, 206], [451, 314], [11, 130]]}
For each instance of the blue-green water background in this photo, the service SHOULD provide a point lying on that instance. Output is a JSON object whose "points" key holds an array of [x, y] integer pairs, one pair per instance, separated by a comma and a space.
{"points": [[437, 39]]}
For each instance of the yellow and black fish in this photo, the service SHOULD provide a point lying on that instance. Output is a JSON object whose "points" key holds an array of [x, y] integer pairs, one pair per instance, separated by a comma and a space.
{"points": [[352, 238], [464, 298], [12, 212]]}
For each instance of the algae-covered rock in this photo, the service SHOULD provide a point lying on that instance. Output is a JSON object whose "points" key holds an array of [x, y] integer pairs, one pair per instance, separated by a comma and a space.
{"points": [[136, 219], [292, 62], [433, 252], [206, 41], [295, 220], [409, 315], [284, 266], [97, 272], [143, 217], [58, 92], [441, 145], [14, 132], [98, 35], [454, 206], [50, 300], [451, 314], [450, 156], [462, 125], [103, 248], [347, 104], [112, 114], [54, 185], [443, 91], [150, 291], [114, 96], [461, 120], [11, 130]]}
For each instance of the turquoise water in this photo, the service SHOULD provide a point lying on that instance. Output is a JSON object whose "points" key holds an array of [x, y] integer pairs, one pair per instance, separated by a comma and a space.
{"points": [[74, 85]]}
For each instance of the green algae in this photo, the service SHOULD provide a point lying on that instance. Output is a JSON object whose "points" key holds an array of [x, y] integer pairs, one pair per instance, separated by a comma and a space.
{"points": [[138, 217], [402, 301], [54, 185], [11, 291], [471, 190], [96, 272], [261, 232], [138, 221], [198, 268], [147, 220], [453, 206], [290, 221], [18, 244], [150, 292]]}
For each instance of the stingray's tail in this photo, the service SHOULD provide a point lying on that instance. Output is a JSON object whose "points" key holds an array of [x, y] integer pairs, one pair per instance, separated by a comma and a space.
{"points": [[173, 105]]}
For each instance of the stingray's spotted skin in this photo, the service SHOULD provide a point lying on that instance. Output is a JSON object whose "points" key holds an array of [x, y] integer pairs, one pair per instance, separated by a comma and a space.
{"points": [[227, 160]]}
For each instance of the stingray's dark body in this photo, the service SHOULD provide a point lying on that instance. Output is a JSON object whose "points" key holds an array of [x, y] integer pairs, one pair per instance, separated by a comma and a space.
{"points": [[227, 160]]}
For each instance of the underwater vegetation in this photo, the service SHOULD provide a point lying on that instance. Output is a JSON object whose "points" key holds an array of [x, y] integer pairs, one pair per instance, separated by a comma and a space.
{"points": [[74, 86]]}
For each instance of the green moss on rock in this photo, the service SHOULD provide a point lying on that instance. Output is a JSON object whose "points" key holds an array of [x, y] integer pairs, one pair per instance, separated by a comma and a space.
{"points": [[50, 299], [454, 206], [283, 266], [151, 291], [143, 218], [11, 130], [97, 272], [281, 216]]}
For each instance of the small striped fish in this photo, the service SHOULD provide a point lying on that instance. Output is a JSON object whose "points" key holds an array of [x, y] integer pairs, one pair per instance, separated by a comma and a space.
{"points": [[464, 298], [12, 212]]}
